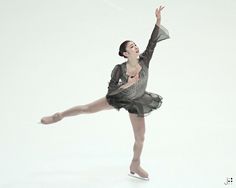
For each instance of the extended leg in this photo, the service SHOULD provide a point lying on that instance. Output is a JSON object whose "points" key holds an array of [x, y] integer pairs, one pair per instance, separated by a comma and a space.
{"points": [[138, 124], [96, 106]]}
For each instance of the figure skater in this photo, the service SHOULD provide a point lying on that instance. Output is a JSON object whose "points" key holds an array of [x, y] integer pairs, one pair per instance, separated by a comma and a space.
{"points": [[127, 89]]}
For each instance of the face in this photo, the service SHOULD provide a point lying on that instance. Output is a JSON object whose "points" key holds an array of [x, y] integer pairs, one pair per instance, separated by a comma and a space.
{"points": [[132, 50]]}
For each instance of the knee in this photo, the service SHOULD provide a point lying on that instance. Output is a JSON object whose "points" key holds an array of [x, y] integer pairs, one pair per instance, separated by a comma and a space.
{"points": [[139, 139], [86, 109]]}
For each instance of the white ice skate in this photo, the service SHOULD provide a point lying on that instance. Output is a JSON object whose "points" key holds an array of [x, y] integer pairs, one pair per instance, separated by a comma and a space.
{"points": [[135, 175]]}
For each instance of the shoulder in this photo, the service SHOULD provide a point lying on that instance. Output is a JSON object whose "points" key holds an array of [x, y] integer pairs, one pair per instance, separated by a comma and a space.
{"points": [[117, 69], [120, 66], [142, 60], [141, 56]]}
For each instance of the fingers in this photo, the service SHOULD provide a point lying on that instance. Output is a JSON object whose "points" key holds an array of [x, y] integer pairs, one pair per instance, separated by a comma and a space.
{"points": [[160, 8], [133, 79]]}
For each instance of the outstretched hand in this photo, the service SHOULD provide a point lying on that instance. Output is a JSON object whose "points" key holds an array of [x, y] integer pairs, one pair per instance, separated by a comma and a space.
{"points": [[158, 12]]}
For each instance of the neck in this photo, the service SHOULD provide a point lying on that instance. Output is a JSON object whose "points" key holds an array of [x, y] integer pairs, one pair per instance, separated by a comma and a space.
{"points": [[132, 61]]}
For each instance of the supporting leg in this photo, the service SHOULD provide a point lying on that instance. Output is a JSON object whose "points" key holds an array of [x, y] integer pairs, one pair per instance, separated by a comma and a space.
{"points": [[138, 124], [96, 106]]}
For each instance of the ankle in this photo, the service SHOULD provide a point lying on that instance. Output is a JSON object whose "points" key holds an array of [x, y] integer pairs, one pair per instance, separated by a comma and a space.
{"points": [[57, 117], [135, 164], [135, 161], [60, 115]]}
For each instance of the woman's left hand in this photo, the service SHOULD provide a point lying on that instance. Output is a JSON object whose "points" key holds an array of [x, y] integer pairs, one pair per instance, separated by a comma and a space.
{"points": [[158, 12]]}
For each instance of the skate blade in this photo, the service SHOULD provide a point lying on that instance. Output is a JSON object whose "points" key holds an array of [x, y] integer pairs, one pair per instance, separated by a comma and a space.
{"points": [[134, 175]]}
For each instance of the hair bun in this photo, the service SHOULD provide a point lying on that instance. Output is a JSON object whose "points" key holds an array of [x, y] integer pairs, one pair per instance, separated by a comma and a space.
{"points": [[122, 48]]}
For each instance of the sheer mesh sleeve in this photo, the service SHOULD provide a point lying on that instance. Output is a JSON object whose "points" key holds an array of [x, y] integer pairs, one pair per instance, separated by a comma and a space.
{"points": [[114, 83], [158, 34]]}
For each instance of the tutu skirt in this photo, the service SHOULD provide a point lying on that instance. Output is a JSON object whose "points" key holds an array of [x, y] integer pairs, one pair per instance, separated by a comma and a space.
{"points": [[141, 106]]}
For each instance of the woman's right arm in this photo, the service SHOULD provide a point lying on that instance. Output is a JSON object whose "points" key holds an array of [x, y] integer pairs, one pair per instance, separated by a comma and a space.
{"points": [[115, 76], [114, 86]]}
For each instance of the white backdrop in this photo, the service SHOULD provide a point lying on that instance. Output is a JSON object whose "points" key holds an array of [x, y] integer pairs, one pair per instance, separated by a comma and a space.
{"points": [[58, 54]]}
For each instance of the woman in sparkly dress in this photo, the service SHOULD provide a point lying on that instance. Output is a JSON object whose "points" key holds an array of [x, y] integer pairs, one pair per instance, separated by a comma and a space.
{"points": [[127, 89]]}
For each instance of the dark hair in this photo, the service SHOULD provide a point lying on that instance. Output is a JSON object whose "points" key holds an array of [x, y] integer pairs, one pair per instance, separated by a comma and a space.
{"points": [[122, 48]]}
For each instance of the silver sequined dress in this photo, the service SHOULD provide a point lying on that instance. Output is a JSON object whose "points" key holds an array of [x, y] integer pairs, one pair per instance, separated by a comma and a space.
{"points": [[135, 98]]}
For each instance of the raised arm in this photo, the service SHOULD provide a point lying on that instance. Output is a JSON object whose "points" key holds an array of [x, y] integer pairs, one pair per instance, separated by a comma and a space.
{"points": [[159, 33]]}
